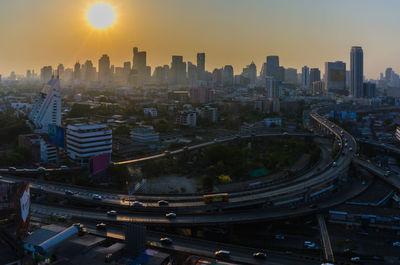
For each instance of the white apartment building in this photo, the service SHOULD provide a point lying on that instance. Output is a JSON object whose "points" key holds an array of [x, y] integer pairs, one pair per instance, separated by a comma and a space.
{"points": [[397, 134], [47, 107], [85, 141], [150, 111], [186, 118], [144, 134]]}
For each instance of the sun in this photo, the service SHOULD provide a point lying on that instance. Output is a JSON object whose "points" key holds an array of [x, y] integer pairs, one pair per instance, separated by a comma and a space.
{"points": [[101, 15]]}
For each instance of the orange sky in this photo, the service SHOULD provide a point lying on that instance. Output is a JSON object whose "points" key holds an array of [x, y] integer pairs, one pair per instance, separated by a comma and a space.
{"points": [[306, 32]]}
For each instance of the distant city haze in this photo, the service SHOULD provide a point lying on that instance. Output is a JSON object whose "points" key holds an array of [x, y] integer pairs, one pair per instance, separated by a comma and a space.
{"points": [[230, 32]]}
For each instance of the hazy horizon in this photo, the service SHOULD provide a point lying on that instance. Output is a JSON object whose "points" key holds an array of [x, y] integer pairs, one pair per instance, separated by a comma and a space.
{"points": [[234, 32]]}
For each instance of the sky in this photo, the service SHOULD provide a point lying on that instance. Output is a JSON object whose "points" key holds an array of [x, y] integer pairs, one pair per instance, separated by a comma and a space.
{"points": [[34, 33]]}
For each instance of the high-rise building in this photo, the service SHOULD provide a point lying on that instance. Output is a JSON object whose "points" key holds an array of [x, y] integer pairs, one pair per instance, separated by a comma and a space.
{"points": [[315, 75], [104, 69], [273, 67], [47, 107], [201, 65], [250, 73], [317, 88], [369, 90], [60, 70], [77, 71], [272, 87], [227, 75], [140, 65], [356, 71], [305, 77], [388, 74], [192, 73], [335, 76], [45, 73], [89, 71], [291, 75], [178, 71], [217, 77]]}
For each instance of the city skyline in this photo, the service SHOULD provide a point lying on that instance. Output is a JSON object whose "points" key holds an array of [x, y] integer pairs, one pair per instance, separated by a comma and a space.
{"points": [[223, 33]]}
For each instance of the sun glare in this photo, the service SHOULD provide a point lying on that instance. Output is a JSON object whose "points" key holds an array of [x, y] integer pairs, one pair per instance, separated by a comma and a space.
{"points": [[101, 15]]}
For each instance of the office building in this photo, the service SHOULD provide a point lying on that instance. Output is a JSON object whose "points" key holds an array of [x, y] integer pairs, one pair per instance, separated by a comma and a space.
{"points": [[47, 107], [356, 71], [192, 73], [104, 69], [315, 75], [77, 72], [178, 71], [201, 65], [186, 118], [217, 77], [272, 87], [144, 134], [272, 67], [227, 75], [45, 74], [85, 141], [305, 77], [317, 88], [250, 73], [291, 76], [335, 76], [369, 90]]}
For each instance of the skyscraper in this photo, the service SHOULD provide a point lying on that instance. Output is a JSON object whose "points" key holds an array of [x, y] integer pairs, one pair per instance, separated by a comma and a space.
{"points": [[77, 71], [104, 69], [356, 71], [335, 76], [140, 65], [201, 65], [227, 75], [305, 77], [178, 71], [272, 87], [273, 67], [315, 75], [45, 73]]}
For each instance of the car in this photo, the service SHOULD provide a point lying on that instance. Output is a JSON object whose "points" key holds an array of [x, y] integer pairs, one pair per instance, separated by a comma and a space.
{"points": [[334, 164], [166, 241], [101, 227], [260, 255], [137, 204], [279, 236], [396, 244], [363, 182], [163, 203], [313, 206], [355, 259], [285, 133], [12, 169], [309, 244], [112, 213], [350, 149], [64, 167], [170, 215], [96, 197], [41, 169], [222, 254], [388, 173], [347, 250], [68, 192]]}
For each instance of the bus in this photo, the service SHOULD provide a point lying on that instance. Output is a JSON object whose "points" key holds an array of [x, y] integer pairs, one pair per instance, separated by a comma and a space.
{"points": [[211, 198]]}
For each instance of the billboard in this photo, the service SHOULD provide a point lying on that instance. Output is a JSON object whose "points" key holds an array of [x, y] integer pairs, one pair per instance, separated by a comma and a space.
{"points": [[100, 163], [56, 135], [15, 205]]}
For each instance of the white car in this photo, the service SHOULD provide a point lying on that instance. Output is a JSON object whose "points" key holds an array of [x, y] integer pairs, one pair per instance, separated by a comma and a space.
{"points": [[96, 197], [112, 213], [396, 244]]}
